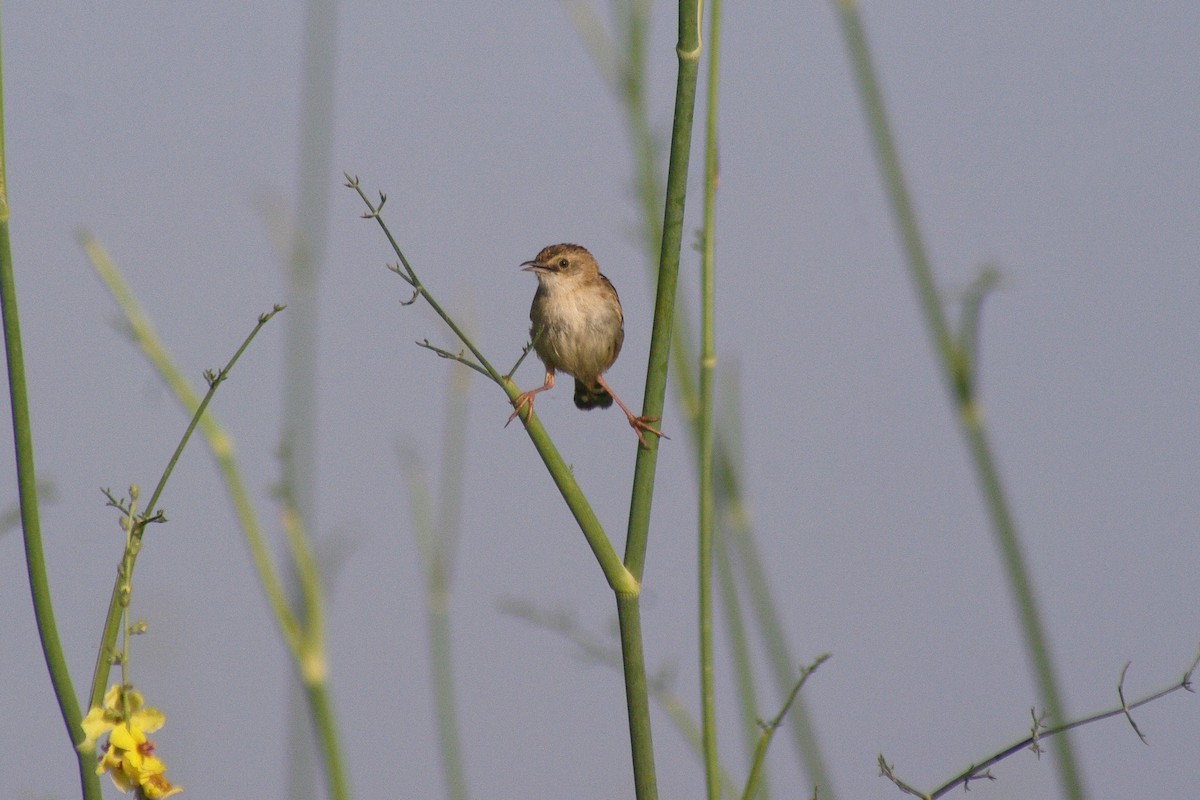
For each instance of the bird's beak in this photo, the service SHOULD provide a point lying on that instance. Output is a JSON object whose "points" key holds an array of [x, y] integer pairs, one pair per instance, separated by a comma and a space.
{"points": [[533, 266]]}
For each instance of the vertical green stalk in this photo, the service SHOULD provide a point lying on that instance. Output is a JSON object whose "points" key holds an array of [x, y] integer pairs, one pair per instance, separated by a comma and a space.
{"points": [[688, 51], [739, 651], [629, 615], [306, 256], [708, 359], [957, 371], [35, 559], [628, 84], [437, 543]]}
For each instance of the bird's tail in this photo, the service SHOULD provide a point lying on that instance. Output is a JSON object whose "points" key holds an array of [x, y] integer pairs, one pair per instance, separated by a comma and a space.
{"points": [[589, 397]]}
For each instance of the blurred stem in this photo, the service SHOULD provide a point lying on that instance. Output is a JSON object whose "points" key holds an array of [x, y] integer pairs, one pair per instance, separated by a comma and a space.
{"points": [[739, 650], [437, 544], [35, 557], [731, 605], [326, 728], [688, 51], [119, 598], [957, 371], [219, 442], [306, 257], [303, 636], [769, 728], [708, 359]]}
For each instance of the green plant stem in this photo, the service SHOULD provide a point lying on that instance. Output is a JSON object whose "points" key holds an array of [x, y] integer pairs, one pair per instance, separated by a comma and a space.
{"points": [[739, 651], [771, 629], [301, 365], [304, 637], [628, 612], [619, 578], [219, 442], [688, 51], [437, 545], [326, 728], [119, 596], [598, 649], [633, 662], [958, 374], [769, 728], [35, 557], [629, 87], [708, 359]]}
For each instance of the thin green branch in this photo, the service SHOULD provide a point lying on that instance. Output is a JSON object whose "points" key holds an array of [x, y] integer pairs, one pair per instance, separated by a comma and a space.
{"points": [[27, 493], [119, 597], [708, 360], [405, 271], [460, 357], [215, 436], [619, 578], [437, 539], [630, 90], [303, 637], [1041, 731], [637, 538], [961, 385], [769, 728]]}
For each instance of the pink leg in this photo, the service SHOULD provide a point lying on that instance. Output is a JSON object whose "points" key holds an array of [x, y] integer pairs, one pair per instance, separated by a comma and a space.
{"points": [[639, 423], [526, 398]]}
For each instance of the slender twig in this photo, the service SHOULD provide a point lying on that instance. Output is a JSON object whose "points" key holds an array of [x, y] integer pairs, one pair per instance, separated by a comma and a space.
{"points": [[961, 385], [216, 437], [708, 360], [619, 578], [27, 492], [119, 598], [405, 271], [437, 544], [1040, 731], [628, 84], [460, 357], [769, 727]]}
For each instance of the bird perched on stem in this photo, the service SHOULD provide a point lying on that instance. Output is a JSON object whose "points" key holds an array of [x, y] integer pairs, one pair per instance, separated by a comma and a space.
{"points": [[577, 328]]}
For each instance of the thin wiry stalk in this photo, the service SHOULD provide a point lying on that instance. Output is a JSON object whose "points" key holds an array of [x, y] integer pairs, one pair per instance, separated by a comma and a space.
{"points": [[27, 492], [708, 359], [958, 372], [300, 628], [1039, 731], [437, 537], [629, 86], [628, 611]]}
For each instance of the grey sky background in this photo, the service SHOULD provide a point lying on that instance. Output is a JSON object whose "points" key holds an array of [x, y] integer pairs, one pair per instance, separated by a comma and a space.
{"points": [[1059, 142]]}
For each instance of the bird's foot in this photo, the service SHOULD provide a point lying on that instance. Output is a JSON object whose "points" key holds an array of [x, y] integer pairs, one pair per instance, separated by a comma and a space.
{"points": [[523, 399], [640, 424]]}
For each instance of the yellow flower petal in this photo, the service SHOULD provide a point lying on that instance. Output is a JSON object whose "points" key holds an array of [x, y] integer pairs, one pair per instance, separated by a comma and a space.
{"points": [[148, 719], [126, 737], [94, 725]]}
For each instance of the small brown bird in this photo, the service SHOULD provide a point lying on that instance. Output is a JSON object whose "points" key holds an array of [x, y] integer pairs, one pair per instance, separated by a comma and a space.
{"points": [[577, 327]]}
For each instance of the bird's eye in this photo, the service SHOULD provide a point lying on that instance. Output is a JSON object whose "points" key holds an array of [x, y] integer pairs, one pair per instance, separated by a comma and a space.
{"points": [[562, 263]]}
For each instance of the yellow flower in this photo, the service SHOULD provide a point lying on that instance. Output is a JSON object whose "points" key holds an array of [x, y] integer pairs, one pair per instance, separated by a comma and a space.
{"points": [[128, 756]]}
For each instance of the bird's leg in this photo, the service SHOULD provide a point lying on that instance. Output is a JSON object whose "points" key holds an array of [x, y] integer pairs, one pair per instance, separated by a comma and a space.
{"points": [[526, 398], [639, 423]]}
